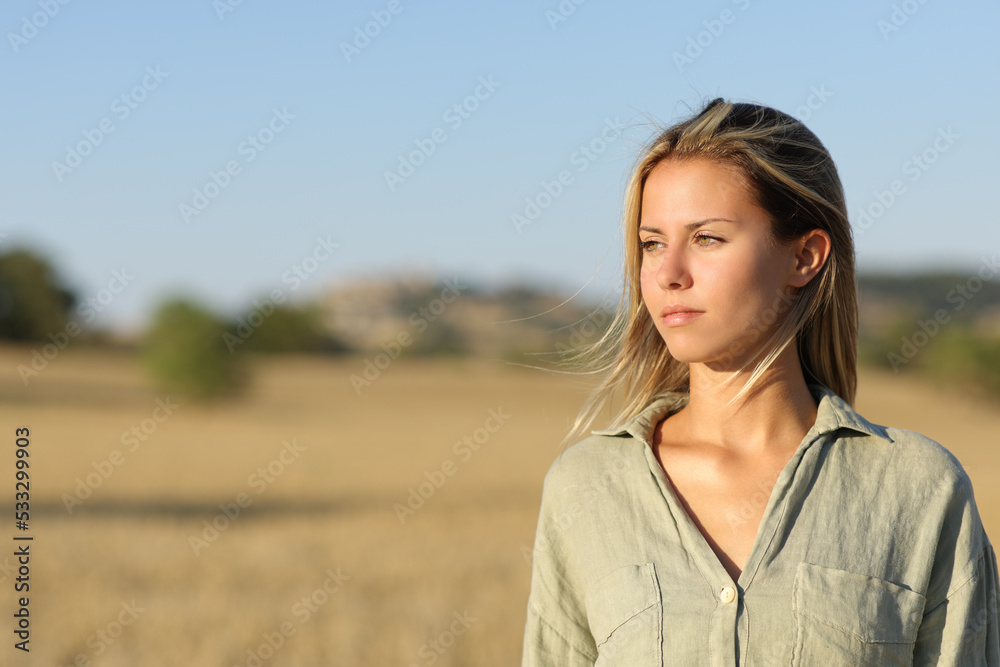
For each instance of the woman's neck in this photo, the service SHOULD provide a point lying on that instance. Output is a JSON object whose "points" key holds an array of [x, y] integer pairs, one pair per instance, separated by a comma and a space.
{"points": [[779, 409]]}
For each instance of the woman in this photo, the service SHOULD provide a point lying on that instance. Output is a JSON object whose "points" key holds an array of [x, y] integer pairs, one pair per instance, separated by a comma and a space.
{"points": [[741, 512]]}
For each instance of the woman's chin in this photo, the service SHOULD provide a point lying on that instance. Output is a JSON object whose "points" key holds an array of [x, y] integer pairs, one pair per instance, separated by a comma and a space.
{"points": [[689, 354], [697, 352]]}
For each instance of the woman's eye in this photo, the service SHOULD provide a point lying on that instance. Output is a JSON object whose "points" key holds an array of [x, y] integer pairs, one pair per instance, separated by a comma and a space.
{"points": [[649, 246]]}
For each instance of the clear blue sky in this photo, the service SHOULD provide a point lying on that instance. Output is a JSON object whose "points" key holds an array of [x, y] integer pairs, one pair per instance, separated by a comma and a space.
{"points": [[886, 79]]}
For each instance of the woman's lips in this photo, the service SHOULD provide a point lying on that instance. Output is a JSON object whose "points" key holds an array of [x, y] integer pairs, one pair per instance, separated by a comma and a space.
{"points": [[681, 318]]}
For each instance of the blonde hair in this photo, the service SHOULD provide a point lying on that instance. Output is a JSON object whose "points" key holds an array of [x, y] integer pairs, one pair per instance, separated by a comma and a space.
{"points": [[791, 175]]}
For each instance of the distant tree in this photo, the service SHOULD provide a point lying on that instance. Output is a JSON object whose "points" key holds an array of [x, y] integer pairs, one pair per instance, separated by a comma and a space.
{"points": [[32, 303], [281, 328], [184, 351], [442, 338], [957, 353]]}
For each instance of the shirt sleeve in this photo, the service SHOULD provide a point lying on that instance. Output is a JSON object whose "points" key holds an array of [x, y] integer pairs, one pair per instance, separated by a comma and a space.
{"points": [[556, 632], [962, 628]]}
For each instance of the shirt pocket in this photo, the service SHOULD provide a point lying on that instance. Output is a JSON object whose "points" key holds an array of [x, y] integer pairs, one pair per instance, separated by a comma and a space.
{"points": [[625, 613], [845, 618]]}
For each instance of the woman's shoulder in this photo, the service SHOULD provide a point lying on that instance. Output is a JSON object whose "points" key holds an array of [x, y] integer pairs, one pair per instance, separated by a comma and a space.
{"points": [[592, 456], [915, 447], [606, 447], [877, 448], [906, 460], [595, 477]]}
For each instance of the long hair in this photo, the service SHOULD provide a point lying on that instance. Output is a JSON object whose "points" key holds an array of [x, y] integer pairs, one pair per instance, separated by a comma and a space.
{"points": [[790, 175]]}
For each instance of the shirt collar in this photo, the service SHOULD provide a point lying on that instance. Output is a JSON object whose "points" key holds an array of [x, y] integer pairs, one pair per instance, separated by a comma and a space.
{"points": [[832, 413]]}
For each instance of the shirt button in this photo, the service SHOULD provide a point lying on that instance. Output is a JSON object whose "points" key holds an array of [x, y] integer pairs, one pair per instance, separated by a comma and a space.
{"points": [[728, 594]]}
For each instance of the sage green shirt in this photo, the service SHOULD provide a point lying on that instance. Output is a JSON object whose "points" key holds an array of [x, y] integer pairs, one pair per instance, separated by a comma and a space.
{"points": [[870, 552]]}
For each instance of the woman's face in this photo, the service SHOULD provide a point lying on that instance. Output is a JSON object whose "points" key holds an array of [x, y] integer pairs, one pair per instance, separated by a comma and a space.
{"points": [[705, 246]]}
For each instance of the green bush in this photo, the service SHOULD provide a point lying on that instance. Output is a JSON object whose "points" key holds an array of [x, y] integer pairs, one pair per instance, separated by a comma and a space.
{"points": [[184, 351]]}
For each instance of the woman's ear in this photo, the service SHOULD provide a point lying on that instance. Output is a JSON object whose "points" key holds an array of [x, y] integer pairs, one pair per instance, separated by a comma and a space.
{"points": [[811, 251]]}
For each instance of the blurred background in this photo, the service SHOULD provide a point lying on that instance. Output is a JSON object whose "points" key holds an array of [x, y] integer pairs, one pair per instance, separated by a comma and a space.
{"points": [[272, 276]]}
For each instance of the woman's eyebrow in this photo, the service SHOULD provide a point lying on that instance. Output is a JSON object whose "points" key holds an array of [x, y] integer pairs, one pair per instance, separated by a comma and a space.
{"points": [[689, 226]]}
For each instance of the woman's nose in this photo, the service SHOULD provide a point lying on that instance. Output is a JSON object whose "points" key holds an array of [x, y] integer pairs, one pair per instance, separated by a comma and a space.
{"points": [[672, 273]]}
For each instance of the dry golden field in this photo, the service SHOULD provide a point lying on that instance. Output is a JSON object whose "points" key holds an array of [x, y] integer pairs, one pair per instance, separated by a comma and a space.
{"points": [[318, 561]]}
